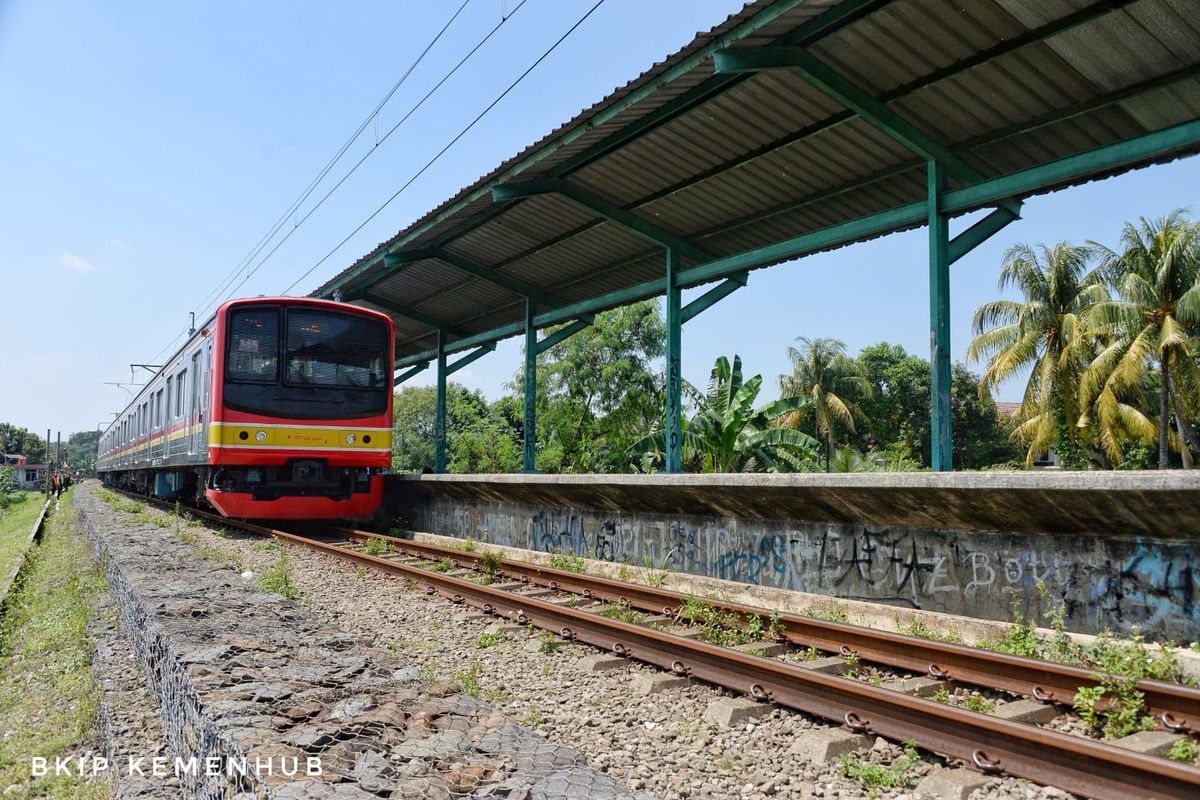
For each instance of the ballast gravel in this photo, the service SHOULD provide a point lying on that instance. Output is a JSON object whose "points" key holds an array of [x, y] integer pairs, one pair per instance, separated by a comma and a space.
{"points": [[658, 744]]}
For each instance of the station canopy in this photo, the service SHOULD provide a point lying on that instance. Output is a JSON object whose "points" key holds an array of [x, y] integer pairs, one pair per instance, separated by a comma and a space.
{"points": [[791, 128]]}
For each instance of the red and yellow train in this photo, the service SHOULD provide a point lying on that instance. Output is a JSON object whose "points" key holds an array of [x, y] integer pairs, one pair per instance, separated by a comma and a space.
{"points": [[277, 408]]}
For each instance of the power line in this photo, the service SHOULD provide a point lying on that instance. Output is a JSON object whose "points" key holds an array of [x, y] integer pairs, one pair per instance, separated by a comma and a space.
{"points": [[385, 137], [450, 144], [266, 239]]}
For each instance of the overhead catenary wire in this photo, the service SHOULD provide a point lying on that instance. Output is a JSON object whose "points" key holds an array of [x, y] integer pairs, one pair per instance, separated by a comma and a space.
{"points": [[379, 141], [304, 195], [211, 297], [448, 145]]}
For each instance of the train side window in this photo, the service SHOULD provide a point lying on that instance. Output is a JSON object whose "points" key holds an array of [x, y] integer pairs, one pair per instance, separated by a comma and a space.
{"points": [[179, 384], [252, 354]]}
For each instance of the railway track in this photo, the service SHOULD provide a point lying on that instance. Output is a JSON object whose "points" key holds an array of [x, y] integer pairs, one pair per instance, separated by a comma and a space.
{"points": [[992, 745]]}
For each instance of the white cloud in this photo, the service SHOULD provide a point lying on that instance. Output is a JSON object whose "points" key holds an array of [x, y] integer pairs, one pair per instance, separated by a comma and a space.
{"points": [[77, 263]]}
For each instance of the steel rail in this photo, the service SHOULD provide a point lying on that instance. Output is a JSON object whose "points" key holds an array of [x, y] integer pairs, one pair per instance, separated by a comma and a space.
{"points": [[1083, 766], [1176, 707], [1075, 764]]}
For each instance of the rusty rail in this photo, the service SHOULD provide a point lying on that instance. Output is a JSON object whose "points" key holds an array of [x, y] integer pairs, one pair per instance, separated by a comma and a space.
{"points": [[1176, 707], [1075, 764]]}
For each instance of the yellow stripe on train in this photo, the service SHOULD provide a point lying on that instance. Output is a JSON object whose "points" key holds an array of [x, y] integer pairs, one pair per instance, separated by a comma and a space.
{"points": [[300, 436]]}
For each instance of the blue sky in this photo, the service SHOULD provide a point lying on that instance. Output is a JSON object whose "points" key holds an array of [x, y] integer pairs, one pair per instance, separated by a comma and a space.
{"points": [[147, 147]]}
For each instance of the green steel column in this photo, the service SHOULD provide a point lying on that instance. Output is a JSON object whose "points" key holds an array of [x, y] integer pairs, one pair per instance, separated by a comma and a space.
{"points": [[439, 429], [674, 431], [939, 323], [531, 351]]}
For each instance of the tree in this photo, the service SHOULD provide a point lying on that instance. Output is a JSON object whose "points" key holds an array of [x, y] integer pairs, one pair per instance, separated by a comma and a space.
{"points": [[822, 372], [728, 434], [599, 391], [1045, 333], [81, 448], [478, 438], [897, 407], [15, 440], [1155, 275]]}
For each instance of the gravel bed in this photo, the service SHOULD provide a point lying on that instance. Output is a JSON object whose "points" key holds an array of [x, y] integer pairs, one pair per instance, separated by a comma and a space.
{"points": [[657, 744]]}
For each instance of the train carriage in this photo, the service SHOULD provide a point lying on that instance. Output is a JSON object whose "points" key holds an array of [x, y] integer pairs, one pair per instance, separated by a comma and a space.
{"points": [[277, 408]]}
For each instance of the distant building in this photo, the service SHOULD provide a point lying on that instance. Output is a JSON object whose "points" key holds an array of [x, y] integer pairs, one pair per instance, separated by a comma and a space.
{"points": [[27, 476]]}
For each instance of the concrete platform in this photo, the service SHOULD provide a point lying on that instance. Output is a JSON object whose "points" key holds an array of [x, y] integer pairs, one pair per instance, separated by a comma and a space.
{"points": [[955, 543]]}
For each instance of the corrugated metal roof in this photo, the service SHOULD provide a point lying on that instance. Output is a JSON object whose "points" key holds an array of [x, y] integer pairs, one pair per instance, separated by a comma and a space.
{"points": [[760, 158]]}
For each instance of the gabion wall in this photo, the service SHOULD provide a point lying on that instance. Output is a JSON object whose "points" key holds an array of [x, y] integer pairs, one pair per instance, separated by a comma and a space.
{"points": [[246, 678]]}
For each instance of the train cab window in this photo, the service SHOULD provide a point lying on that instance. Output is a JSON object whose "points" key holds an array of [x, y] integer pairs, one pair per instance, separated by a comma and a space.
{"points": [[253, 349], [331, 349]]}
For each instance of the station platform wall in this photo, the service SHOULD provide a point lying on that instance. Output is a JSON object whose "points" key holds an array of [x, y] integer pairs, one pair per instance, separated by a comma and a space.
{"points": [[1118, 549]]}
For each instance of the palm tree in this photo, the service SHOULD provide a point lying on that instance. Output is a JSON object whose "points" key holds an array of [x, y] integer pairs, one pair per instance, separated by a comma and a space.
{"points": [[728, 434], [822, 372], [1045, 333], [1156, 276]]}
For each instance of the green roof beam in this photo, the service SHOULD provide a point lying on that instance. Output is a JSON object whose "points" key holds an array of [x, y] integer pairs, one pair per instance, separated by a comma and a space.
{"points": [[1176, 140], [562, 334], [474, 355], [403, 376], [395, 262], [713, 296], [979, 233], [597, 205], [846, 92], [767, 15], [406, 311], [829, 21]]}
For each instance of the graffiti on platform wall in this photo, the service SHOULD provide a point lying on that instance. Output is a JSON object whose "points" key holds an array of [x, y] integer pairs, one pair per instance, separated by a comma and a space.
{"points": [[1103, 583]]}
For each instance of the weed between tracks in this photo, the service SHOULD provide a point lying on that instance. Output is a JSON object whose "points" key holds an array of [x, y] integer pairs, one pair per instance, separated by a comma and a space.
{"points": [[1114, 708], [727, 628], [875, 777]]}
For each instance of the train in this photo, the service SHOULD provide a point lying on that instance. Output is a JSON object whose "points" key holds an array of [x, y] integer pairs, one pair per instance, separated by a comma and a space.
{"points": [[275, 408]]}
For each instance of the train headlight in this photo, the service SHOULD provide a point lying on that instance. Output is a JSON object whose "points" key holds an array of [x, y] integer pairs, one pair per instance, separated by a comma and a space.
{"points": [[350, 438], [261, 436]]}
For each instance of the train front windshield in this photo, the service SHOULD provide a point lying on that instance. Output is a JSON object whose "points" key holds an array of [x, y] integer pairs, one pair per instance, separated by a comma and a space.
{"points": [[325, 349], [297, 361]]}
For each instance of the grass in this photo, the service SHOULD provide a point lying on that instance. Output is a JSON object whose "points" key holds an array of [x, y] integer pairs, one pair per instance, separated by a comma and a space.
{"points": [[279, 577], [485, 640], [48, 695], [533, 717], [549, 644], [1186, 750], [828, 610], [726, 628], [16, 522], [922, 630], [567, 562], [980, 704], [377, 547], [491, 562], [1114, 707], [468, 679], [623, 613], [445, 565], [875, 777]]}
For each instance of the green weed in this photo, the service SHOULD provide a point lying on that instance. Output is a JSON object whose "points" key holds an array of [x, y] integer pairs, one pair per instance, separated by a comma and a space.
{"points": [[468, 679], [485, 640], [979, 704], [1186, 750], [469, 546], [377, 547], [568, 562], [726, 628], [279, 577], [623, 613], [491, 562], [875, 777], [445, 565]]}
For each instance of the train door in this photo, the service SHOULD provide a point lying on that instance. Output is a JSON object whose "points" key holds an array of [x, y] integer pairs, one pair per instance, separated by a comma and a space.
{"points": [[193, 412], [200, 440]]}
